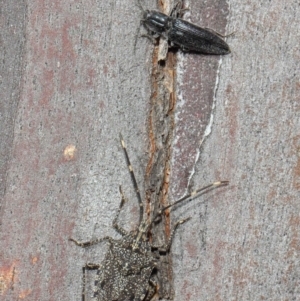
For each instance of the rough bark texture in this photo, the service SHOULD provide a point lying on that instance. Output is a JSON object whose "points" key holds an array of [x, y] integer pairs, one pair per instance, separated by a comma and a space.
{"points": [[71, 80]]}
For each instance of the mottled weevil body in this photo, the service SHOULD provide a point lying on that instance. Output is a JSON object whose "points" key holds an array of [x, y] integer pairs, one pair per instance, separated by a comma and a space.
{"points": [[186, 35], [130, 269]]}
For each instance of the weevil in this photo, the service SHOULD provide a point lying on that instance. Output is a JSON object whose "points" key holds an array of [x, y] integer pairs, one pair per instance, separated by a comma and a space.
{"points": [[179, 32], [128, 271]]}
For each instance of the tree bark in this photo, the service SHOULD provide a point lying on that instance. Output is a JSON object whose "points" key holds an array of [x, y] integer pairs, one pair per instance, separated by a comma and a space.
{"points": [[73, 78]]}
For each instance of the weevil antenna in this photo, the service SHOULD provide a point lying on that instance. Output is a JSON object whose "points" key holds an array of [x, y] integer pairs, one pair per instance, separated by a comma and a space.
{"points": [[133, 179], [189, 197]]}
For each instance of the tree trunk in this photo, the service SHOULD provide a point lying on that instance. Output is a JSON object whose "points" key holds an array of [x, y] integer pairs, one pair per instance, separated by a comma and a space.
{"points": [[76, 74]]}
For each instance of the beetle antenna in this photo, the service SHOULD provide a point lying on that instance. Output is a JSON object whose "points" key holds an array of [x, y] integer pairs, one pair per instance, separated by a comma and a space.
{"points": [[140, 5], [136, 38]]}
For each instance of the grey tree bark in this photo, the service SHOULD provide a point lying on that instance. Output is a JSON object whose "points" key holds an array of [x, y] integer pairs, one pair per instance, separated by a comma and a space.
{"points": [[72, 80]]}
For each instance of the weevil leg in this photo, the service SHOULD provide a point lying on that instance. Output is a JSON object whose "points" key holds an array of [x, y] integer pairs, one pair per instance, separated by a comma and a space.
{"points": [[133, 179], [146, 295], [98, 283], [152, 290], [119, 229], [92, 242], [88, 266], [166, 247]]}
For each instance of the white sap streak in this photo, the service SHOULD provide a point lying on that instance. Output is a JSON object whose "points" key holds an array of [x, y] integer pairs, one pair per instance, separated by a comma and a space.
{"points": [[208, 128]]}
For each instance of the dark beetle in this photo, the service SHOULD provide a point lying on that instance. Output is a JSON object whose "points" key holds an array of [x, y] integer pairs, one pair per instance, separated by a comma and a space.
{"points": [[186, 35]]}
